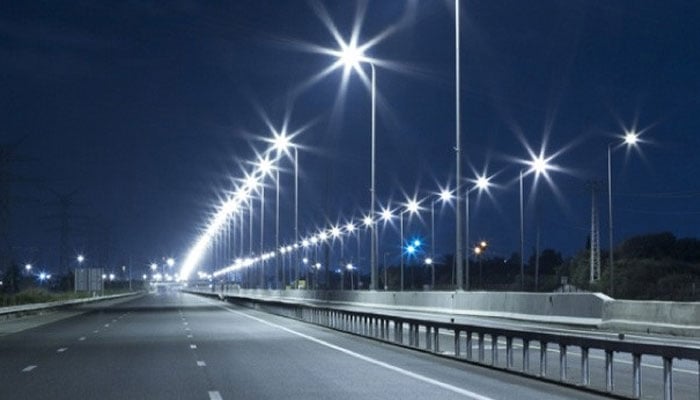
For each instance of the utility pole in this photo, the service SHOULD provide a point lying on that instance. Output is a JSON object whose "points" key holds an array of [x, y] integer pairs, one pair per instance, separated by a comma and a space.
{"points": [[595, 233]]}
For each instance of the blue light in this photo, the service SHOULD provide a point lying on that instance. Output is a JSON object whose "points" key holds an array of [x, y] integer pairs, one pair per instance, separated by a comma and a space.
{"points": [[410, 249], [416, 243]]}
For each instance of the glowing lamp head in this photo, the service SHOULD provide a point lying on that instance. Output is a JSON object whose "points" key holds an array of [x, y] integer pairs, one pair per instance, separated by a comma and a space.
{"points": [[351, 56], [482, 182], [265, 165], [350, 227], [483, 244], [170, 261], [335, 232], [305, 260], [416, 243], [367, 221], [349, 267], [539, 164], [317, 265], [428, 261], [445, 195], [410, 249], [154, 266], [386, 214], [80, 258], [28, 267], [42, 276], [631, 138], [281, 142], [477, 250], [322, 236], [412, 206]]}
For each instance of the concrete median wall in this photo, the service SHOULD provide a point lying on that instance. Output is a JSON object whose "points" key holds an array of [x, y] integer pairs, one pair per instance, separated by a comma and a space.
{"points": [[583, 309], [660, 317], [593, 310]]}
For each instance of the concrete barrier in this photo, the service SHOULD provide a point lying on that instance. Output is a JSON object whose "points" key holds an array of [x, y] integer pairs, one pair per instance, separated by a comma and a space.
{"points": [[660, 317], [592, 310], [24, 309]]}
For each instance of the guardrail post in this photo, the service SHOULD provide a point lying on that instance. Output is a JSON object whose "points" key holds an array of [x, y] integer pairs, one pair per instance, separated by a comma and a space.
{"points": [[585, 371], [457, 343], [526, 355], [494, 349], [562, 362], [481, 347], [509, 352], [383, 331], [436, 339], [468, 345], [668, 378], [637, 375], [428, 338], [543, 358], [397, 332], [410, 335], [416, 336], [609, 382]]}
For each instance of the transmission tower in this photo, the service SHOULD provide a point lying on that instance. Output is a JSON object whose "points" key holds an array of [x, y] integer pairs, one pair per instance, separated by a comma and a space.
{"points": [[595, 233]]}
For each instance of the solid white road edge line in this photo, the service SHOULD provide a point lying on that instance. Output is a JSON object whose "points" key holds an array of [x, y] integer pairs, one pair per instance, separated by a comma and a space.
{"points": [[370, 360]]}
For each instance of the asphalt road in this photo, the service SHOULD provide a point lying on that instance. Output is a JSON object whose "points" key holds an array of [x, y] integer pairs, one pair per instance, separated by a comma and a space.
{"points": [[181, 346]]}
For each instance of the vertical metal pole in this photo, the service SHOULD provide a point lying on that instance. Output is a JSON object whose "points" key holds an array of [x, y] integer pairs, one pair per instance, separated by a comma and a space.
{"points": [[526, 355], [481, 347], [637, 375], [467, 250], [585, 370], [458, 161], [543, 359], [277, 232], [250, 242], [522, 237], [562, 362], [262, 233], [296, 216], [509, 352], [609, 382], [401, 246], [432, 231], [494, 349], [373, 238], [610, 225], [668, 378], [468, 345], [457, 343]]}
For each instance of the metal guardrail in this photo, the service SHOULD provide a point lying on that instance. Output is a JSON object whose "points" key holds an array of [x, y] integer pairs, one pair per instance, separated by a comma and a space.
{"points": [[424, 335]]}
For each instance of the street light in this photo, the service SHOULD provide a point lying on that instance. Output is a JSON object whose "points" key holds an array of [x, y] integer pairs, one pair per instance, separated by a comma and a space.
{"points": [[265, 166], [351, 56], [80, 258], [412, 208], [479, 251], [481, 183], [539, 165], [170, 261], [444, 196], [630, 139], [429, 262], [350, 267]]}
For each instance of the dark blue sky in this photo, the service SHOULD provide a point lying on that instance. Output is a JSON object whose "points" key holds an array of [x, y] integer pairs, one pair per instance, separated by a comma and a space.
{"points": [[147, 107]]}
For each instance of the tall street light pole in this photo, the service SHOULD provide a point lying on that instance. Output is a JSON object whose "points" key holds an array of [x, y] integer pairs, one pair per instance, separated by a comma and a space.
{"points": [[277, 230], [458, 165], [630, 139], [296, 215], [522, 236], [481, 183], [352, 56]]}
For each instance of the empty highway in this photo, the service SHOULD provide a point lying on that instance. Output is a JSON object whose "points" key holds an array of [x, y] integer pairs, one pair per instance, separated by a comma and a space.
{"points": [[180, 346]]}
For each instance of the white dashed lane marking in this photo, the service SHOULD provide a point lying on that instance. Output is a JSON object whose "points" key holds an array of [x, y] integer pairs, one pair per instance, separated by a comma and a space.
{"points": [[62, 349], [193, 346], [29, 368], [214, 395], [82, 338], [201, 364], [96, 331]]}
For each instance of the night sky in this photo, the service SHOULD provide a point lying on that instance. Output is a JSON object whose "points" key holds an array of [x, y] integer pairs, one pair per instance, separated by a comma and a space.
{"points": [[146, 110]]}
